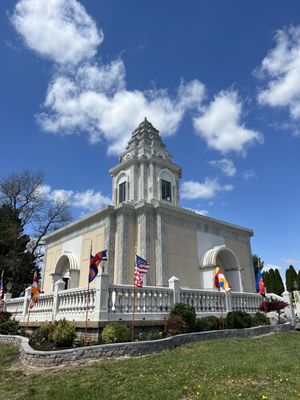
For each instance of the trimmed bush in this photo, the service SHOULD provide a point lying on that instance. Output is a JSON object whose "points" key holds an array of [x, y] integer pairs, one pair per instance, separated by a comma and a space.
{"points": [[64, 334], [4, 316], [44, 333], [187, 313], [238, 320], [259, 319], [210, 323], [9, 327], [175, 325], [115, 333]]}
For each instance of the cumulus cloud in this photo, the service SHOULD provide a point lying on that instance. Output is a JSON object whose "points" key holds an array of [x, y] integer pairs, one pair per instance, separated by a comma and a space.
{"points": [[225, 165], [208, 189], [60, 30], [87, 201], [267, 267], [281, 68], [221, 127], [200, 212], [86, 95], [291, 261]]}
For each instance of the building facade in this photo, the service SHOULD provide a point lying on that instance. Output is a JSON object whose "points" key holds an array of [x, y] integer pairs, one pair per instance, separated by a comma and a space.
{"points": [[145, 218]]}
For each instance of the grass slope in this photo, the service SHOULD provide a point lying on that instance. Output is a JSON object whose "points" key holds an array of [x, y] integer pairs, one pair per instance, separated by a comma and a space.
{"points": [[265, 368]]}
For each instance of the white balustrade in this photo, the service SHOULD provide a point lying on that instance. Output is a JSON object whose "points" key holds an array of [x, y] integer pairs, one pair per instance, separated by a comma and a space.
{"points": [[115, 302], [42, 310], [15, 307], [204, 301], [149, 300], [72, 304]]}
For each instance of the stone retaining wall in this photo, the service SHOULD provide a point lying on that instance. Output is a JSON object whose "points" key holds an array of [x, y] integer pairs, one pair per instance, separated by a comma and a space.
{"points": [[36, 358]]}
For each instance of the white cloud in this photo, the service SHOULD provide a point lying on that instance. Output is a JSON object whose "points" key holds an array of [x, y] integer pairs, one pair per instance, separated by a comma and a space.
{"points": [[60, 30], [88, 200], [206, 190], [225, 165], [220, 125], [281, 67], [291, 261], [91, 97], [111, 111], [200, 212], [248, 174], [267, 267]]}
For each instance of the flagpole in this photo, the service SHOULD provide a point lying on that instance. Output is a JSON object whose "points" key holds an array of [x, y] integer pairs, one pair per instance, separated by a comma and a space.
{"points": [[133, 301], [221, 306], [87, 300]]}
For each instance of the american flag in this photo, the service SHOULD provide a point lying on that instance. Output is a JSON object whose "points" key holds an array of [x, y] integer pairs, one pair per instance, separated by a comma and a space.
{"points": [[141, 268], [1, 286]]}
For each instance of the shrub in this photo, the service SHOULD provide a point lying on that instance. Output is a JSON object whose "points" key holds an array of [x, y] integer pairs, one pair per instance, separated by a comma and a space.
{"points": [[274, 305], [175, 325], [210, 323], [187, 313], [259, 319], [4, 316], [238, 320], [9, 327], [115, 332], [44, 333], [64, 333]]}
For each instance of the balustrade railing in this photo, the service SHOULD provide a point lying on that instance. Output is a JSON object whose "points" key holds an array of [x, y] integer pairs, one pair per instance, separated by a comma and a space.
{"points": [[115, 302], [204, 301], [148, 300], [72, 304]]}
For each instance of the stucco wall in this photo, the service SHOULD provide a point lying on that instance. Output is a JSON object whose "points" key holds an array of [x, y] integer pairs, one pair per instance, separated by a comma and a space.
{"points": [[96, 237], [242, 251], [52, 255], [182, 255]]}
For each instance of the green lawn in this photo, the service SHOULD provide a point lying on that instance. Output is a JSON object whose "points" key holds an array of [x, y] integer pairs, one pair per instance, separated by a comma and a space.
{"points": [[261, 368]]}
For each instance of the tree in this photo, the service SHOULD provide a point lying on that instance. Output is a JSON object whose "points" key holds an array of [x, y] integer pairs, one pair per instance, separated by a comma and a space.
{"points": [[278, 284], [266, 280], [291, 279], [17, 262], [257, 263], [273, 305], [271, 281], [39, 213]]}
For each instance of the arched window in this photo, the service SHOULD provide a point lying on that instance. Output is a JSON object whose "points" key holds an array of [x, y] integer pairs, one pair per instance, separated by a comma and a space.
{"points": [[166, 183], [122, 188]]}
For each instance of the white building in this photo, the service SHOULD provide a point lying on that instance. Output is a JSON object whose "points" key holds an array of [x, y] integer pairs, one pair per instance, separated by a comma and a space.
{"points": [[146, 218]]}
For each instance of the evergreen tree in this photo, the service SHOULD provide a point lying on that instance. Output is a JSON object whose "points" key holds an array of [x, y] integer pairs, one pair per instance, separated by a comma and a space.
{"points": [[278, 284], [298, 280], [15, 259], [291, 279], [272, 287], [266, 280]]}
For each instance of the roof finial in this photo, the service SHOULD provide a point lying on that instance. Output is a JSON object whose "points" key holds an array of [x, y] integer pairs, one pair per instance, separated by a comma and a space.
{"points": [[145, 119]]}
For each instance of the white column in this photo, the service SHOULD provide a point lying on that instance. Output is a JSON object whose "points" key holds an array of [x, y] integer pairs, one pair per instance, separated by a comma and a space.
{"points": [[289, 311], [161, 252], [121, 264], [101, 299], [58, 286], [174, 284], [26, 302]]}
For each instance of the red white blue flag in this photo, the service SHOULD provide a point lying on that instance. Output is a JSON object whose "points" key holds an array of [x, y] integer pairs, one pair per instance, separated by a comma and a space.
{"points": [[141, 268], [95, 262], [260, 287]]}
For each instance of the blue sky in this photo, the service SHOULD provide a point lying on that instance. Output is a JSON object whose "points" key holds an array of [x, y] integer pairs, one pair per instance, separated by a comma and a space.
{"points": [[219, 79]]}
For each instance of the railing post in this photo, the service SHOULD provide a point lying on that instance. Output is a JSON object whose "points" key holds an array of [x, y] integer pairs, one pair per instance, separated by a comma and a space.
{"points": [[297, 302], [289, 311], [174, 284], [101, 299], [7, 296], [228, 304], [26, 302], [58, 287]]}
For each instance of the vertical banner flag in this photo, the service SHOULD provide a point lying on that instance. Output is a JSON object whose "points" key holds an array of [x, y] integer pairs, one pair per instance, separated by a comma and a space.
{"points": [[1, 286], [35, 289], [260, 287], [220, 280], [95, 262], [141, 268]]}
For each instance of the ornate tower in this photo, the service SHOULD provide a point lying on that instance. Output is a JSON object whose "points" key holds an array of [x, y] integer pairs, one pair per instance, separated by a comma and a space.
{"points": [[146, 172]]}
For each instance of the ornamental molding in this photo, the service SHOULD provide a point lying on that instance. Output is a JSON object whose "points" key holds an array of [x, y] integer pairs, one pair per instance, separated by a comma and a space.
{"points": [[79, 227]]}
